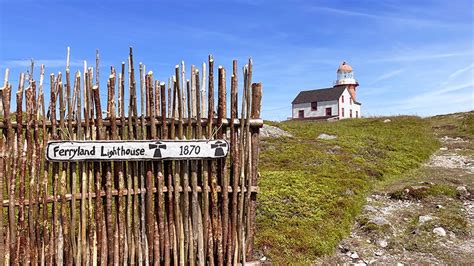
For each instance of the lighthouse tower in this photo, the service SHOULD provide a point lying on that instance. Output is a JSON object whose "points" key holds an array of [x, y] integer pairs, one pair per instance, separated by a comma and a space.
{"points": [[345, 77]]}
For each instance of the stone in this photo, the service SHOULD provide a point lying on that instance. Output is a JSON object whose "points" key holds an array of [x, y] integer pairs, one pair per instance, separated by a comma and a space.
{"points": [[343, 249], [462, 190], [263, 258], [387, 121], [378, 220], [456, 139], [349, 192], [454, 161], [327, 136], [382, 243], [439, 231], [424, 218], [439, 207], [369, 208], [354, 255], [452, 235], [443, 148], [379, 253], [268, 131], [376, 197]]}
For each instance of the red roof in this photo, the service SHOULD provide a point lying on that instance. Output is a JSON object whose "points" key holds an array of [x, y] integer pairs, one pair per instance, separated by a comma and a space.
{"points": [[344, 67]]}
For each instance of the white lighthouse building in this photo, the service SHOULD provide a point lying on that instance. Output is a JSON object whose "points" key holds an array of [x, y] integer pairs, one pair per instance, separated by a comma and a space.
{"points": [[337, 102]]}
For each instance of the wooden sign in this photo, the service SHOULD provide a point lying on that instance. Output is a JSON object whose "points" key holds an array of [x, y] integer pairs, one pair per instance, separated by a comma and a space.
{"points": [[116, 150]]}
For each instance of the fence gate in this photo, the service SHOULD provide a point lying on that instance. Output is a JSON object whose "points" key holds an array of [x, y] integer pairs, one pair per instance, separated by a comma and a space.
{"points": [[171, 181]]}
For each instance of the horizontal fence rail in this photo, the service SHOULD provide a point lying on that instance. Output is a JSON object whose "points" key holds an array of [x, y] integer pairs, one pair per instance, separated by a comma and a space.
{"points": [[192, 211]]}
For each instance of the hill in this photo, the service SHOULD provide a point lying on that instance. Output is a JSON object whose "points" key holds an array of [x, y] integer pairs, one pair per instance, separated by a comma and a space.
{"points": [[312, 189], [426, 215]]}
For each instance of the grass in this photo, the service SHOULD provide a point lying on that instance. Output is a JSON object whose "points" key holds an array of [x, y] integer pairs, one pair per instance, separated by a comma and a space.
{"points": [[457, 124], [312, 189], [423, 192]]}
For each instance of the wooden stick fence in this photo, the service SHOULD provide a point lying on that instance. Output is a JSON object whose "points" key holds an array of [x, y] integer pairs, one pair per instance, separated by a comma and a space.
{"points": [[129, 212]]}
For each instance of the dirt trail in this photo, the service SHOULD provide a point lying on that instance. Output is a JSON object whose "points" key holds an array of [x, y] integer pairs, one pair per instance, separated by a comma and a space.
{"points": [[426, 217]]}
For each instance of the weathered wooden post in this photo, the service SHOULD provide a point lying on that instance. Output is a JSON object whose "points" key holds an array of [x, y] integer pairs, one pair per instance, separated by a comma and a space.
{"points": [[255, 140]]}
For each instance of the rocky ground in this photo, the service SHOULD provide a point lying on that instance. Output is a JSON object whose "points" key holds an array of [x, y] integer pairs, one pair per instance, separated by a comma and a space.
{"points": [[426, 217], [269, 131]]}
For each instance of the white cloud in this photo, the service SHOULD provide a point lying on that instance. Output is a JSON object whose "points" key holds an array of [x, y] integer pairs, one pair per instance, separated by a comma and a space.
{"points": [[457, 95], [391, 17], [460, 71], [416, 56], [451, 88], [385, 76]]}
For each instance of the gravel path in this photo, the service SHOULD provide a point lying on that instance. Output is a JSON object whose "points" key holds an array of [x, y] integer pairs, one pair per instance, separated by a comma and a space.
{"points": [[400, 226]]}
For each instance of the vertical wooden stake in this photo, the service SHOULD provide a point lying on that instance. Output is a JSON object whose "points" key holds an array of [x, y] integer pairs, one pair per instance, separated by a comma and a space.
{"points": [[234, 162], [208, 225], [197, 216], [222, 162], [255, 144]]}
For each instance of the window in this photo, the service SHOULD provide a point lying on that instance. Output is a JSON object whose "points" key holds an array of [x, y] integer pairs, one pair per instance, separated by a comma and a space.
{"points": [[314, 106], [301, 114], [342, 112], [328, 111], [350, 113], [357, 114], [342, 99]]}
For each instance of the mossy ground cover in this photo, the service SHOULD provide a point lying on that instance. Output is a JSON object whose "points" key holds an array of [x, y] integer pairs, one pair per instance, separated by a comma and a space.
{"points": [[312, 189]]}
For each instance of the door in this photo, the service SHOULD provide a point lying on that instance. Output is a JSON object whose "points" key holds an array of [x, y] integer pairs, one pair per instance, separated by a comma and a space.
{"points": [[328, 111], [301, 114]]}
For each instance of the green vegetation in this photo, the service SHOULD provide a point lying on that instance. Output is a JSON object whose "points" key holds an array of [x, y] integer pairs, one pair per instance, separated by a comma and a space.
{"points": [[457, 124], [450, 217], [312, 189], [467, 125], [423, 192]]}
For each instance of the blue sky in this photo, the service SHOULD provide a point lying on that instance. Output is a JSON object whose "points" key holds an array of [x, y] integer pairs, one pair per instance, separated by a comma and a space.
{"points": [[410, 57]]}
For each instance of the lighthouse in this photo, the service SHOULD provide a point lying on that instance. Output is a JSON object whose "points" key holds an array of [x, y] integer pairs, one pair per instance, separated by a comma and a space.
{"points": [[345, 77], [336, 102]]}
